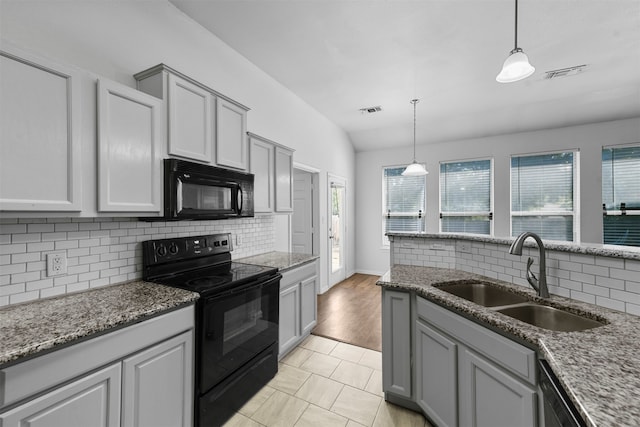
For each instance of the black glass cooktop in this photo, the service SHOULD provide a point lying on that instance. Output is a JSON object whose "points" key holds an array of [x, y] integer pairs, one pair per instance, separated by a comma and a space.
{"points": [[220, 277]]}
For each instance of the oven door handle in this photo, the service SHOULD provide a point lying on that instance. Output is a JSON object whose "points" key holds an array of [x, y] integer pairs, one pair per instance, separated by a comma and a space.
{"points": [[256, 284]]}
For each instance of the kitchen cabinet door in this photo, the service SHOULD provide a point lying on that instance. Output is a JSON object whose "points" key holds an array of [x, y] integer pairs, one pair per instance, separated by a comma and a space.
{"points": [[308, 304], [262, 165], [489, 396], [289, 327], [190, 120], [436, 375], [130, 141], [284, 180], [93, 400], [40, 145], [231, 130], [157, 385], [396, 343]]}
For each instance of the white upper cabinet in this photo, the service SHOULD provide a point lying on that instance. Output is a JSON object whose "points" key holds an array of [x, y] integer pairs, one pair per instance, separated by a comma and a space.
{"points": [[284, 179], [231, 129], [130, 149], [203, 125], [190, 120], [39, 134], [262, 166], [272, 166]]}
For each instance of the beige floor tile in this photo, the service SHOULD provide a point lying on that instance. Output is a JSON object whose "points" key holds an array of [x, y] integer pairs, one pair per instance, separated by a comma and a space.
{"points": [[239, 420], [357, 405], [289, 379], [280, 410], [297, 356], [375, 383], [348, 352], [314, 416], [352, 423], [256, 401], [372, 359], [319, 344], [390, 415], [321, 364], [320, 391], [352, 374]]}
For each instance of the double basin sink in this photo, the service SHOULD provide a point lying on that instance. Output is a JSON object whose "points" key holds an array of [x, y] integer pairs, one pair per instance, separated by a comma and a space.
{"points": [[520, 307]]}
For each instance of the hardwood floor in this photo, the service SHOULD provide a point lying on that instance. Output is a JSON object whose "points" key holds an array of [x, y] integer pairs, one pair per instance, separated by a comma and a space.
{"points": [[351, 312]]}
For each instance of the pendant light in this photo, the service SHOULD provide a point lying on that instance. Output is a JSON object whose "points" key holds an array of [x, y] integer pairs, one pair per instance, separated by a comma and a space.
{"points": [[415, 168], [516, 66]]}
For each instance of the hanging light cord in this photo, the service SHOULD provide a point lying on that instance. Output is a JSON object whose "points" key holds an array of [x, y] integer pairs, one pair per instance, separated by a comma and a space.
{"points": [[414, 102], [516, 38]]}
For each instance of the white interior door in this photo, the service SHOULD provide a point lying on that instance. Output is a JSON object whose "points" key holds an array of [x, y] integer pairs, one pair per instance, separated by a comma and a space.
{"points": [[302, 218], [337, 229]]}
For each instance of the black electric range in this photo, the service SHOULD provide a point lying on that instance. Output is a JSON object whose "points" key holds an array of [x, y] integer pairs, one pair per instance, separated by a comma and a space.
{"points": [[236, 345]]}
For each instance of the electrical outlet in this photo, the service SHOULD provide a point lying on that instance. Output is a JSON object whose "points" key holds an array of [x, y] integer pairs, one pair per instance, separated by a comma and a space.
{"points": [[464, 246], [238, 240], [56, 263]]}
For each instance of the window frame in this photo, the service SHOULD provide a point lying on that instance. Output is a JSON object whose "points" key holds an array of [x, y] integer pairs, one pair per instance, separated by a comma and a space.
{"points": [[576, 195], [384, 213], [489, 214], [615, 212]]}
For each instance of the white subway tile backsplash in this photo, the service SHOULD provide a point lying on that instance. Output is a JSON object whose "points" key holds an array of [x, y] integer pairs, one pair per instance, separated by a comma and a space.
{"points": [[609, 282], [102, 251]]}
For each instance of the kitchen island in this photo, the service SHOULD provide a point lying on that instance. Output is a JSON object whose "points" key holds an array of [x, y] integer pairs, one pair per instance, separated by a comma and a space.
{"points": [[599, 368]]}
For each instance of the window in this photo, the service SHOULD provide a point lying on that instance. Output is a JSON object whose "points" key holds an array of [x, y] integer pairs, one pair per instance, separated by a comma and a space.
{"points": [[465, 197], [543, 195], [403, 201], [621, 195]]}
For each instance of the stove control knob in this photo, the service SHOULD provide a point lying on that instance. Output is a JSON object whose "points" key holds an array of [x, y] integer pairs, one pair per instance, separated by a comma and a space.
{"points": [[173, 249], [162, 250]]}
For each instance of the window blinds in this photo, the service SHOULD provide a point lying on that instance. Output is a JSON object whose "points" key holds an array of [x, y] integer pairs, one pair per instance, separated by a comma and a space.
{"points": [[465, 197], [621, 195], [404, 201], [542, 195]]}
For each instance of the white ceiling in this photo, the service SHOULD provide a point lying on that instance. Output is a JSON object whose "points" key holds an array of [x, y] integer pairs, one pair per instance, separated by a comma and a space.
{"points": [[343, 55]]}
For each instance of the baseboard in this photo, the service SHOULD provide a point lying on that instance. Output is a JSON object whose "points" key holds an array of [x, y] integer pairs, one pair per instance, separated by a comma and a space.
{"points": [[371, 272]]}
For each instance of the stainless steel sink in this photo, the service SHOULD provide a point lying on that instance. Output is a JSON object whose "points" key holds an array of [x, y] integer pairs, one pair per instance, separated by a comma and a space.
{"points": [[483, 294], [550, 318]]}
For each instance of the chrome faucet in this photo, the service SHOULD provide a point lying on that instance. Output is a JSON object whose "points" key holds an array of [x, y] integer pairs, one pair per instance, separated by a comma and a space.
{"points": [[540, 285]]}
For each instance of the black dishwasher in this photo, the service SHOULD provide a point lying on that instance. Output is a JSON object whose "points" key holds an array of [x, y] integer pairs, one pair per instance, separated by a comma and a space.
{"points": [[559, 411]]}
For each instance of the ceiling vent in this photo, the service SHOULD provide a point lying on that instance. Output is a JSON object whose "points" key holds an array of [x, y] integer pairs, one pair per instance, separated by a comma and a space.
{"points": [[371, 110], [565, 72]]}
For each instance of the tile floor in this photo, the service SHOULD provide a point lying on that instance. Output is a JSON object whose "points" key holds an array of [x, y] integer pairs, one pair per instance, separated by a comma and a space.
{"points": [[326, 383]]}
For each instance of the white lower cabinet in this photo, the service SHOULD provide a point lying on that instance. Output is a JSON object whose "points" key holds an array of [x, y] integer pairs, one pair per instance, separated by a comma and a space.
{"points": [[135, 376], [463, 373], [93, 400], [298, 306]]}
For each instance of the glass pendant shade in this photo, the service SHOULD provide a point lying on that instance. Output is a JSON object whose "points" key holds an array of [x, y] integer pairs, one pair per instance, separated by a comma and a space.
{"points": [[516, 67], [414, 169]]}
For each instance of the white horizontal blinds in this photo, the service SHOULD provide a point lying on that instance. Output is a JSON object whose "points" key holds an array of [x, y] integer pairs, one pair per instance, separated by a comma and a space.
{"points": [[465, 197], [542, 195], [621, 195], [404, 201]]}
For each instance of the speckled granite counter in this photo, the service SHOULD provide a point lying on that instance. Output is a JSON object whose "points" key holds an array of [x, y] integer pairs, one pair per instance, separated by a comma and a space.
{"points": [[283, 261], [29, 329], [599, 368]]}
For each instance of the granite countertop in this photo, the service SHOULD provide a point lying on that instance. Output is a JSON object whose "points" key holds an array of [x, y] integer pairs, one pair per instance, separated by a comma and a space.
{"points": [[283, 261], [32, 328], [599, 368]]}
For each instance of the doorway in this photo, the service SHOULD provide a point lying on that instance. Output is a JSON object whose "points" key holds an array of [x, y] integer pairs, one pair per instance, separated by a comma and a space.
{"points": [[337, 229], [303, 219]]}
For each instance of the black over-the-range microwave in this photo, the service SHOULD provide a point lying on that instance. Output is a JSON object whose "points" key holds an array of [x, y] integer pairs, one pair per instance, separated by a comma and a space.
{"points": [[193, 191]]}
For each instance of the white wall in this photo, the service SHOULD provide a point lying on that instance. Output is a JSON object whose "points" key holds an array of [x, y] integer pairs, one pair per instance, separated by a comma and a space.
{"points": [[589, 139], [117, 39]]}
